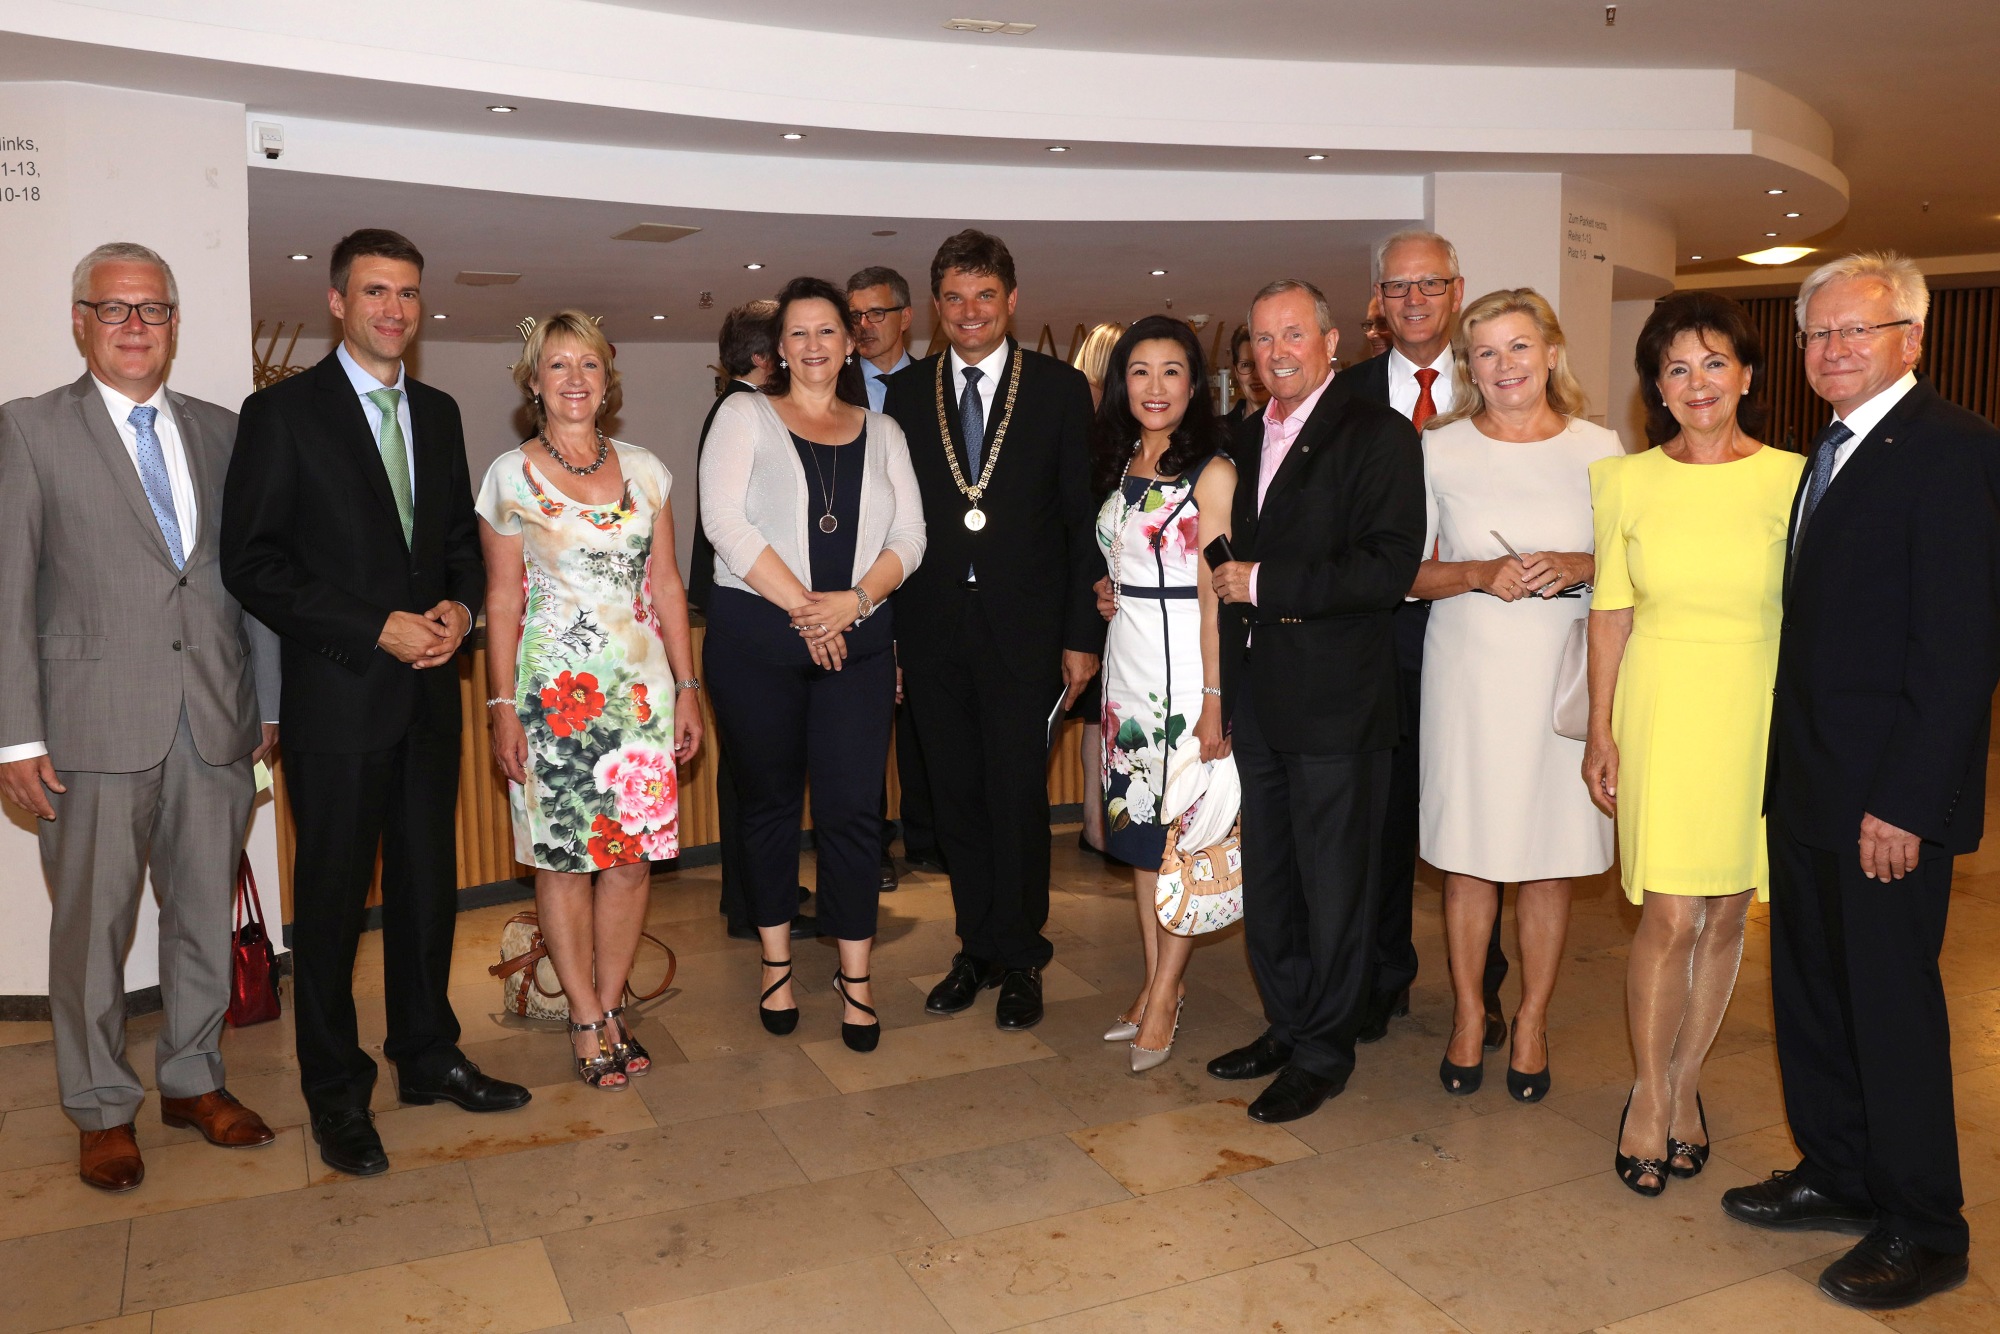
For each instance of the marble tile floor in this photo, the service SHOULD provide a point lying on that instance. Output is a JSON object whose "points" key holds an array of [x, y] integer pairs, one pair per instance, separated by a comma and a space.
{"points": [[960, 1179]]}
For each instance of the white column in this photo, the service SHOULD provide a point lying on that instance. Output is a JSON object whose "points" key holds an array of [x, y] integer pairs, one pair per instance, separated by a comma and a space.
{"points": [[81, 165]]}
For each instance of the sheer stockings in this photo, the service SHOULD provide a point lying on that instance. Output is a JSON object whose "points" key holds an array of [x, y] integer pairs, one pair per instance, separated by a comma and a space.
{"points": [[1541, 919], [1156, 1007], [1677, 989]]}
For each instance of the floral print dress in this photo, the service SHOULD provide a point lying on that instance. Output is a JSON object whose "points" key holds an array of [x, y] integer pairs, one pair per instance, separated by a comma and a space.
{"points": [[592, 682], [1152, 655]]}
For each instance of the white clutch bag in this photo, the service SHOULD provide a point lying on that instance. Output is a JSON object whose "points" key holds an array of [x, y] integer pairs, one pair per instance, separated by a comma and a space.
{"points": [[1571, 712]]}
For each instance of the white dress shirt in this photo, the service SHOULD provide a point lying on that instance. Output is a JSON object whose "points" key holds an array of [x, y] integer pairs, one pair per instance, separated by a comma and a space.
{"points": [[366, 384], [990, 370], [1403, 387], [873, 377], [1865, 419], [180, 486]]}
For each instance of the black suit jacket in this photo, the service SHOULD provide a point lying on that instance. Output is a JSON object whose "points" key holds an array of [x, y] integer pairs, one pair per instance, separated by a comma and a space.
{"points": [[1337, 544], [311, 545], [1370, 380], [1367, 379], [1037, 557], [1891, 642], [701, 566]]}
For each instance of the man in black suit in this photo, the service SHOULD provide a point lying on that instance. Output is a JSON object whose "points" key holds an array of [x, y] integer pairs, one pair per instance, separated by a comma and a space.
{"points": [[1327, 539], [1886, 671], [999, 623], [347, 527], [744, 346], [1418, 293]]}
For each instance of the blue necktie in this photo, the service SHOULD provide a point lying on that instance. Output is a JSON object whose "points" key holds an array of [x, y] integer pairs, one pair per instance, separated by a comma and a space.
{"points": [[1831, 439], [153, 476], [972, 424]]}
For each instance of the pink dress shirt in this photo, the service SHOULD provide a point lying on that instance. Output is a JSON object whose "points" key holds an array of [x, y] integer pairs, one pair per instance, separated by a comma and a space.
{"points": [[1279, 433]]}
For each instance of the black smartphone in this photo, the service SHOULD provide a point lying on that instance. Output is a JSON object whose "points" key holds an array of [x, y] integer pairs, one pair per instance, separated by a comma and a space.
{"points": [[1217, 553]]}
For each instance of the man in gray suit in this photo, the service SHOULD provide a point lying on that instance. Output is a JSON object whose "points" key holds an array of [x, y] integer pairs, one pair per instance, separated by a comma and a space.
{"points": [[132, 721]]}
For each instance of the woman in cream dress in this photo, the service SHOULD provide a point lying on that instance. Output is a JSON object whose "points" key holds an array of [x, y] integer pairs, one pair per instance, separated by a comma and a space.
{"points": [[1508, 466]]}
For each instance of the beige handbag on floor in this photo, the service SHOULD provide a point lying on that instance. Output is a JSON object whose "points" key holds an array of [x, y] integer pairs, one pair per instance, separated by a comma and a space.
{"points": [[528, 986], [1571, 714]]}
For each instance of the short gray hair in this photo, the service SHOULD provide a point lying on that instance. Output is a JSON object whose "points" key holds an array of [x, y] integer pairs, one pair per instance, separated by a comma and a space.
{"points": [[1909, 294], [119, 252], [877, 276], [1413, 237], [1321, 310]]}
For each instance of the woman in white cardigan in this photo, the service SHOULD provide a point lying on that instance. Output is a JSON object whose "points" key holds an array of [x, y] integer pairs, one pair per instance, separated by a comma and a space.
{"points": [[812, 507]]}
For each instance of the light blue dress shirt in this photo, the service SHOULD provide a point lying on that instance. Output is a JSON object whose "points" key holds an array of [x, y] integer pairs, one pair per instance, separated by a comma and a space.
{"points": [[874, 379]]}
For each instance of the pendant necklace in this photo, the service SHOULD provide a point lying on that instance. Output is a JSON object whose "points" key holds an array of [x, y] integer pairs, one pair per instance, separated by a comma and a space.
{"points": [[975, 518], [603, 453], [828, 522]]}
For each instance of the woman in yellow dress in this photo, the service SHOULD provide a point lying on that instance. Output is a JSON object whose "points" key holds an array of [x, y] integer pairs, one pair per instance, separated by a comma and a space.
{"points": [[1683, 652]]}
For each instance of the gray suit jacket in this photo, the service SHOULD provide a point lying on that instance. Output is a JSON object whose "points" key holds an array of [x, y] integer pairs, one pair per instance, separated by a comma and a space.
{"points": [[102, 640]]}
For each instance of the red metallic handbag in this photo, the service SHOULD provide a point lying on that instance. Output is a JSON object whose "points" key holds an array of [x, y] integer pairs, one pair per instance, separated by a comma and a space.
{"points": [[253, 965]]}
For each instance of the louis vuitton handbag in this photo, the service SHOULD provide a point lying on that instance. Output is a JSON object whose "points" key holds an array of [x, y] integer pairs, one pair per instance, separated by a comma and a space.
{"points": [[528, 985]]}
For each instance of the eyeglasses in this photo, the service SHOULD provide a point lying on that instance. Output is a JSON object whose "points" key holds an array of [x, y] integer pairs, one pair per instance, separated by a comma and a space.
{"points": [[117, 312], [1397, 287], [1853, 333], [876, 314]]}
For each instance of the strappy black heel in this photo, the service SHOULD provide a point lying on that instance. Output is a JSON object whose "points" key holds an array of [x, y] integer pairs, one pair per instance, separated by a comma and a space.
{"points": [[1524, 1087], [1631, 1170], [779, 1022], [632, 1058], [601, 1071], [1696, 1154], [858, 1037]]}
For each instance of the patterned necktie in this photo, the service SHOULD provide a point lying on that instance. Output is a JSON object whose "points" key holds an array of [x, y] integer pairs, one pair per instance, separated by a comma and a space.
{"points": [[1426, 407], [153, 476], [1831, 439], [972, 423], [395, 455]]}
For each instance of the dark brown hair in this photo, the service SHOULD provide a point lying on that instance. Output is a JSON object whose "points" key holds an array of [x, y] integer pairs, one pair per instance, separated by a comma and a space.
{"points": [[973, 251], [1114, 431], [746, 335], [849, 388], [1717, 319], [377, 241]]}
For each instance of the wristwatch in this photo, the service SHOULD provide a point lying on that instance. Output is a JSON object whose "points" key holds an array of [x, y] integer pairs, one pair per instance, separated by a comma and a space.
{"points": [[867, 603]]}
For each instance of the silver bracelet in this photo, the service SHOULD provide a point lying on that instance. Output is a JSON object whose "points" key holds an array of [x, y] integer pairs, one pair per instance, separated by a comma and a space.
{"points": [[867, 603], [1211, 690], [491, 702], [692, 683]]}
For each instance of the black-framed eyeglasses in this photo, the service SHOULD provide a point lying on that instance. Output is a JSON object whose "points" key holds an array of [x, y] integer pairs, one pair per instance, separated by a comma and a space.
{"points": [[117, 312], [1399, 287], [1853, 333], [876, 314]]}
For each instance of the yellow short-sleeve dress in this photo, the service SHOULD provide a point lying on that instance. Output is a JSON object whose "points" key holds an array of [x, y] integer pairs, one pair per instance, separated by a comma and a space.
{"points": [[1698, 552]]}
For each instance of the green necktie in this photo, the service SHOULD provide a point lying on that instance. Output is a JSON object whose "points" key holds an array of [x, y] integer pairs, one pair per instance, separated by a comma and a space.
{"points": [[395, 455]]}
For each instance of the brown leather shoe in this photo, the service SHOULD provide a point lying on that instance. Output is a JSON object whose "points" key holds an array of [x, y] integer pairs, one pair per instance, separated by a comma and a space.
{"points": [[219, 1117], [109, 1159]]}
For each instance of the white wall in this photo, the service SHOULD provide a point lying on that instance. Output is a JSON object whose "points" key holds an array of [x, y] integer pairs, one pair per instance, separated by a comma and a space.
{"points": [[1627, 413], [166, 172]]}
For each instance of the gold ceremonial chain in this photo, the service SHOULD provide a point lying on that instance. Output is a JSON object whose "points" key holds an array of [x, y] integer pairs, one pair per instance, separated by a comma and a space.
{"points": [[974, 518]]}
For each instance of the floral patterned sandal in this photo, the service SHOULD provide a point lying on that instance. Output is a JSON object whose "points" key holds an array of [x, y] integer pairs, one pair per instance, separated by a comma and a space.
{"points": [[632, 1058], [601, 1071]]}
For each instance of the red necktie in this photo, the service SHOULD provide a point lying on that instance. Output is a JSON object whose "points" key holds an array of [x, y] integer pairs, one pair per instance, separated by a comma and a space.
{"points": [[1425, 409]]}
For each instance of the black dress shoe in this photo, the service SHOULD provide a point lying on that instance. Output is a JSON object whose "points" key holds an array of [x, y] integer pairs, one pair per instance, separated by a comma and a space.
{"points": [[1293, 1095], [1496, 1023], [348, 1142], [1887, 1271], [1375, 1025], [464, 1085], [889, 876], [924, 859], [1020, 1006], [1786, 1203], [1262, 1057], [804, 927], [967, 978]]}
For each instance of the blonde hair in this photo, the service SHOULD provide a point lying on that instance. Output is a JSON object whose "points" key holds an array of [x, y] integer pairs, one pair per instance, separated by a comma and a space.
{"points": [[576, 327], [1093, 354], [1564, 392]]}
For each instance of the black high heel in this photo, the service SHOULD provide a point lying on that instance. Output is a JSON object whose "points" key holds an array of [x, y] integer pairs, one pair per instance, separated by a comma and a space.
{"points": [[1528, 1088], [1461, 1080], [1696, 1154], [858, 1037], [1630, 1169], [779, 1022]]}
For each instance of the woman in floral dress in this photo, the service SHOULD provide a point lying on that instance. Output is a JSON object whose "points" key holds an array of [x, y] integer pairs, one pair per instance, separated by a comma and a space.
{"points": [[588, 656], [1167, 496]]}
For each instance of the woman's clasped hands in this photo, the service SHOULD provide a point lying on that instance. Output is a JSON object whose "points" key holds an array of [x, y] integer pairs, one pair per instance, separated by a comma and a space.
{"points": [[822, 621]]}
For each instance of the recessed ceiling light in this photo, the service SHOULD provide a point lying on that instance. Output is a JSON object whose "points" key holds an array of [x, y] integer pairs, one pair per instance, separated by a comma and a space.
{"points": [[1694, 256], [1771, 235], [1057, 148], [1791, 215], [502, 110], [1777, 254], [437, 316], [791, 134], [1774, 192], [300, 257], [1315, 157], [887, 231], [753, 266], [659, 317], [1159, 273]]}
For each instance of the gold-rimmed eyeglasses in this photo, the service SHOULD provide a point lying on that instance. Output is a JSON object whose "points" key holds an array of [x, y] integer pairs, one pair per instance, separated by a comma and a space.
{"points": [[1400, 287], [876, 314], [1853, 333], [117, 312]]}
